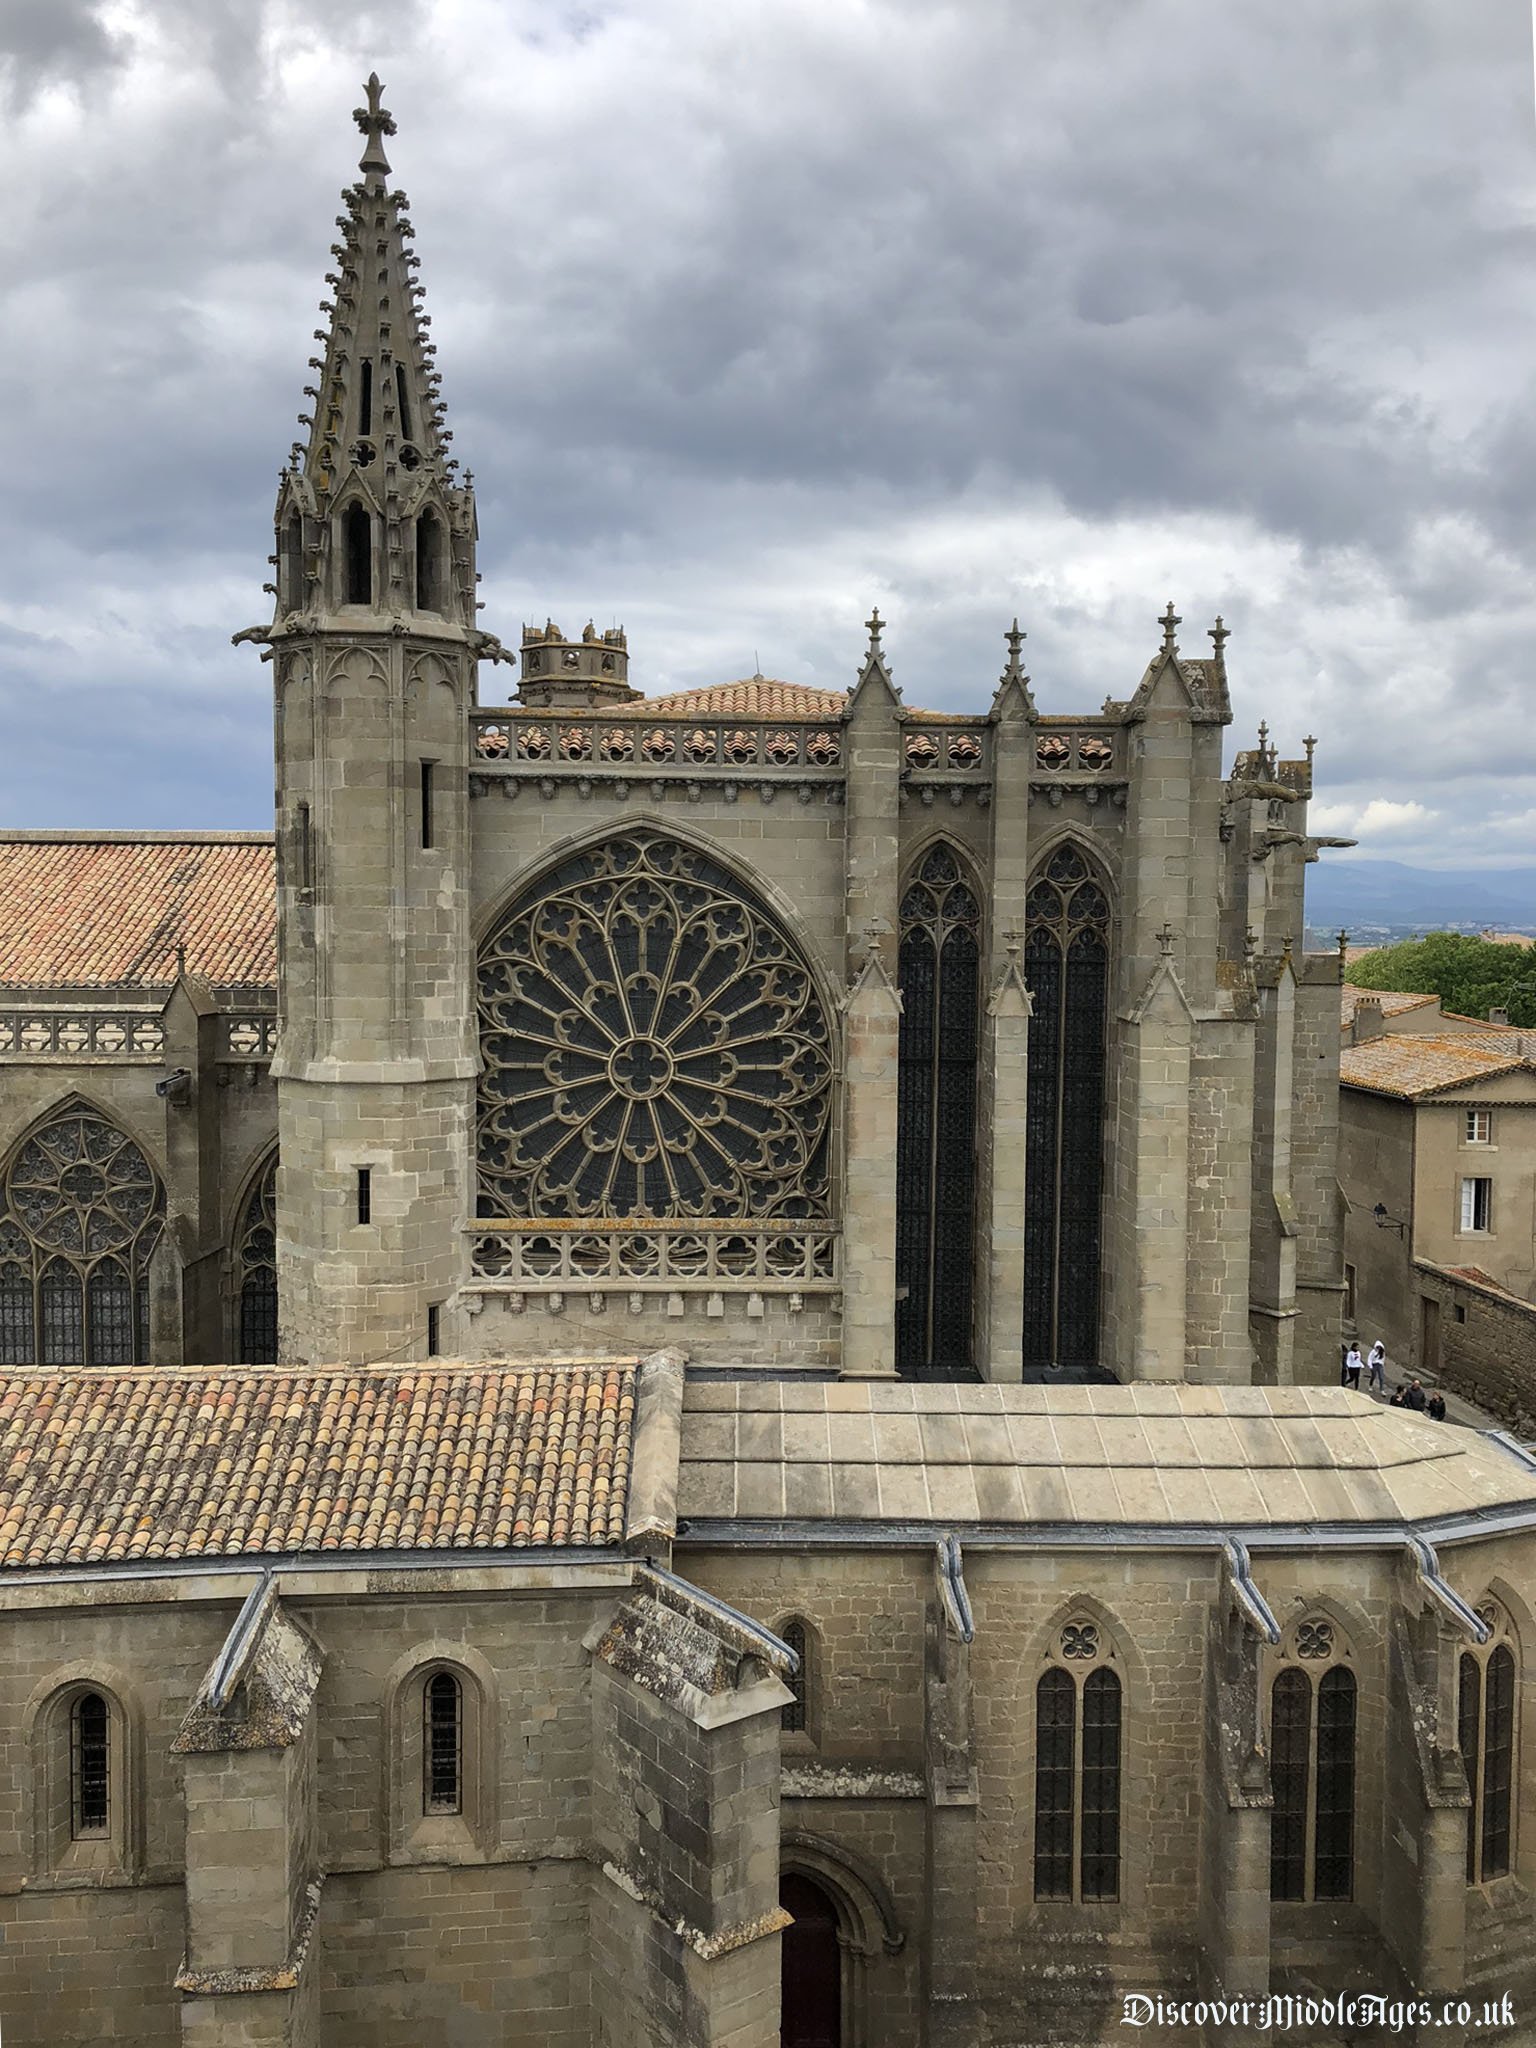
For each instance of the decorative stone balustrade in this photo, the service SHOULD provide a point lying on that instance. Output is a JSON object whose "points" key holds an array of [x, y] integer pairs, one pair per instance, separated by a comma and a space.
{"points": [[670, 1257], [1078, 750], [935, 748], [245, 1037], [586, 743], [81, 1034]]}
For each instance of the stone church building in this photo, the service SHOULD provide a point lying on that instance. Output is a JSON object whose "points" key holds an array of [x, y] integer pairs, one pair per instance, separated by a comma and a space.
{"points": [[667, 1371]]}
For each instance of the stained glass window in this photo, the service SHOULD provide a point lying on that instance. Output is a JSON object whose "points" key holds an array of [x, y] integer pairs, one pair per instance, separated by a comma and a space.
{"points": [[443, 1744], [1066, 965], [1312, 1774], [653, 1045], [80, 1214], [1487, 1735], [1077, 1771], [940, 967], [256, 1260]]}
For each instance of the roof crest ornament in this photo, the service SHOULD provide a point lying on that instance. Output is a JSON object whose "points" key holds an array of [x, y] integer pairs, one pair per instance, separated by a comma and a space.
{"points": [[1169, 620], [876, 625], [1220, 635], [376, 121]]}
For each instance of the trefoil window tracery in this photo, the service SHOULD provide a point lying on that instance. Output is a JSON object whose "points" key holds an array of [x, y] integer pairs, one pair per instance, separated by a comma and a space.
{"points": [[1313, 1710], [1079, 1704], [1488, 1737]]}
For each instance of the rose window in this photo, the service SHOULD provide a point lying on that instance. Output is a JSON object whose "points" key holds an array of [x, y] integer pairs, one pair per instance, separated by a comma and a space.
{"points": [[653, 1045]]}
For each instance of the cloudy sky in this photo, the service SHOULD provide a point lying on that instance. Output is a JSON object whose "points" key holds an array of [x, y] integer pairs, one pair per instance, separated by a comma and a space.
{"points": [[752, 315]]}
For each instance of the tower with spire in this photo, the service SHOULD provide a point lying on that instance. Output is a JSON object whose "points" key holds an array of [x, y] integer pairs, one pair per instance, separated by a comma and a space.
{"points": [[374, 646]]}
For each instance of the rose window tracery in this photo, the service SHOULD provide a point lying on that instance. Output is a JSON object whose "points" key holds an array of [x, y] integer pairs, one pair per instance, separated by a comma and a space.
{"points": [[653, 1045], [80, 1214]]}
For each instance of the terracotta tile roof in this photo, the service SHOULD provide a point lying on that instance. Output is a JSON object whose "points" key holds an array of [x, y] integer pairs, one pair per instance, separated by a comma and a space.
{"points": [[1416, 1064], [100, 1467], [1395, 1002], [99, 908], [754, 697]]}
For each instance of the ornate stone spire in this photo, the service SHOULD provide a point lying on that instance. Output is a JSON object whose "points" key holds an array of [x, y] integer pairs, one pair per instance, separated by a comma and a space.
{"points": [[376, 437], [1169, 622]]}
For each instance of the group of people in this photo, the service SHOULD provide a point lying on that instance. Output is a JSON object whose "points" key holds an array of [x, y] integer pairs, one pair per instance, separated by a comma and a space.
{"points": [[1373, 1368]]}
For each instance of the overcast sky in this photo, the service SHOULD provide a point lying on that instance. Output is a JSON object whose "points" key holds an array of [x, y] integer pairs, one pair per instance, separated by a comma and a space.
{"points": [[751, 315]]}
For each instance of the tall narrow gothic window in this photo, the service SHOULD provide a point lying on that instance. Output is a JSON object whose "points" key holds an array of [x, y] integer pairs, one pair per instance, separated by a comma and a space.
{"points": [[1066, 964], [653, 1045], [794, 1719], [429, 563], [442, 1746], [89, 1766], [292, 566], [80, 1214], [1488, 1740], [1078, 1704], [936, 1119], [256, 1259], [357, 535], [1312, 1764]]}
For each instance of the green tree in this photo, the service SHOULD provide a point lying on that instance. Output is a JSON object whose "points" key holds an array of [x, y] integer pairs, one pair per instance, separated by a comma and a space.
{"points": [[1470, 976]]}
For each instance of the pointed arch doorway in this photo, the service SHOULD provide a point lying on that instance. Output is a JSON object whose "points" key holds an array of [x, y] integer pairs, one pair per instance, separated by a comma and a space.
{"points": [[811, 2003]]}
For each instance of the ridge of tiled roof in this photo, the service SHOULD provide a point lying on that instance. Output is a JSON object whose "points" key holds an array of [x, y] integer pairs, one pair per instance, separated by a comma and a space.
{"points": [[102, 909], [1424, 1063], [751, 697], [104, 1467]]}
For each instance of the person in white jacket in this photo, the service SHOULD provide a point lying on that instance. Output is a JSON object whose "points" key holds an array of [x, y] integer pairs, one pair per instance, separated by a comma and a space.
{"points": [[1354, 1365], [1376, 1368]]}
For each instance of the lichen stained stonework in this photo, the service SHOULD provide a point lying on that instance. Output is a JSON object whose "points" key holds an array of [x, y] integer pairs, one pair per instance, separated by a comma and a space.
{"points": [[653, 1046]]}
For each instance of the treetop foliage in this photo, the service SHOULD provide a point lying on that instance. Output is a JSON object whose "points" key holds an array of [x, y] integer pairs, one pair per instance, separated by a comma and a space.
{"points": [[1470, 976]]}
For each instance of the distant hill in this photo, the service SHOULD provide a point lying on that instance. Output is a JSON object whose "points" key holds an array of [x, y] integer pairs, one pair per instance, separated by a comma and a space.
{"points": [[1348, 893]]}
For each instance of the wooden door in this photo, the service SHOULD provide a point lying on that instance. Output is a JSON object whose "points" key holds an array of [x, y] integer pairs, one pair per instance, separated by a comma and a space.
{"points": [[1429, 1334]]}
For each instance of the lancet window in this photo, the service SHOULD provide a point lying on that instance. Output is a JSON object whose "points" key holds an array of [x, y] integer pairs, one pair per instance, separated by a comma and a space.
{"points": [[1312, 1762], [1488, 1739], [653, 1045], [442, 1744], [1078, 1737], [1066, 964], [256, 1258], [80, 1213], [940, 967]]}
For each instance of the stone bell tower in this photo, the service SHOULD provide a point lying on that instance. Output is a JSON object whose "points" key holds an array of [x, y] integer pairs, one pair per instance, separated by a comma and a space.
{"points": [[374, 648]]}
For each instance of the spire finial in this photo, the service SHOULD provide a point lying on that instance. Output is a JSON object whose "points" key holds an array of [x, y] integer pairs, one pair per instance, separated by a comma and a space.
{"points": [[1165, 939], [1310, 743], [875, 624], [1015, 638], [1169, 620], [1220, 635], [376, 122], [1343, 942]]}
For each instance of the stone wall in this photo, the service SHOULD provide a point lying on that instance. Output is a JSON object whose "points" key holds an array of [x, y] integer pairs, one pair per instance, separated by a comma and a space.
{"points": [[1487, 1346]]}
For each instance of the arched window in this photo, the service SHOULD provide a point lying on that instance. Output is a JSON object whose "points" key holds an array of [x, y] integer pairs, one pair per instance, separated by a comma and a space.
{"points": [[1066, 964], [1312, 1765], [291, 576], [442, 1744], [431, 580], [795, 1714], [940, 966], [357, 548], [80, 1214], [653, 1045], [256, 1263], [1488, 1739], [90, 1749], [1078, 1736]]}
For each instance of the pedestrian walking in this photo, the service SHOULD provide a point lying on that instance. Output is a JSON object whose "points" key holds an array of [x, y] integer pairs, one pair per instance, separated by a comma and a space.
{"points": [[1376, 1367], [1416, 1397], [1354, 1365]]}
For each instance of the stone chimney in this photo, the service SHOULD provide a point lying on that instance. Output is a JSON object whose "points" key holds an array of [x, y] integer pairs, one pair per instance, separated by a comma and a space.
{"points": [[1498, 1017], [575, 675], [1368, 1022]]}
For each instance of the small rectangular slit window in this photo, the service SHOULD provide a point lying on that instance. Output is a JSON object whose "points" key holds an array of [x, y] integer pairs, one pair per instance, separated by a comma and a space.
{"points": [[365, 1194], [427, 837], [306, 852], [433, 1329]]}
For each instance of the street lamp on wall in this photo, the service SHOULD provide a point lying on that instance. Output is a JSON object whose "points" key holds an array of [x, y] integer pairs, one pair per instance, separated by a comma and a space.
{"points": [[1386, 1222]]}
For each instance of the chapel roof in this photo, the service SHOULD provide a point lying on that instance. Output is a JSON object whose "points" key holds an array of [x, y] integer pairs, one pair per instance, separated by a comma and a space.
{"points": [[752, 697], [1416, 1065], [103, 1467], [1230, 1459], [97, 909]]}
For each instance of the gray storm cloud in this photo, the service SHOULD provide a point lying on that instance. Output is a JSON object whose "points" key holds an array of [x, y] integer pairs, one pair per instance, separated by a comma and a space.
{"points": [[751, 316]]}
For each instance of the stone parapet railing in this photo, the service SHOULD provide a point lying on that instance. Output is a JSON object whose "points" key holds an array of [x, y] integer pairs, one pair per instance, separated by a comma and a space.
{"points": [[677, 1256], [628, 743], [247, 1036], [81, 1033]]}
